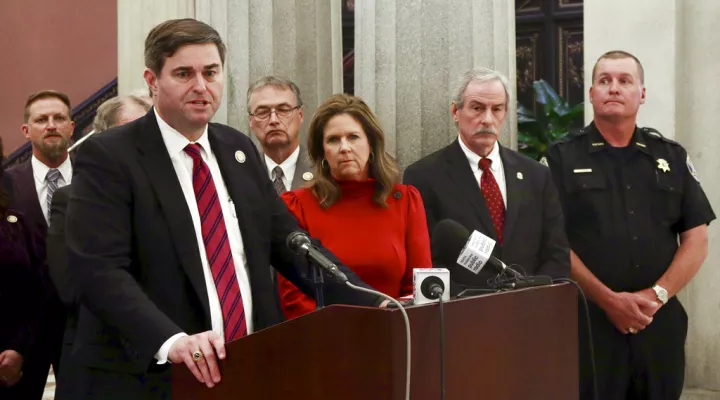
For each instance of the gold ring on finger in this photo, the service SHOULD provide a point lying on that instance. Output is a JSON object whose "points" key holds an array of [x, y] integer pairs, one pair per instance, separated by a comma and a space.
{"points": [[197, 356], [632, 330]]}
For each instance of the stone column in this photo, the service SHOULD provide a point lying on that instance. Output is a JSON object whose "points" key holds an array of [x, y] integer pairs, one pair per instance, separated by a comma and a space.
{"points": [[673, 40], [300, 40], [697, 119], [409, 55], [647, 29], [135, 20]]}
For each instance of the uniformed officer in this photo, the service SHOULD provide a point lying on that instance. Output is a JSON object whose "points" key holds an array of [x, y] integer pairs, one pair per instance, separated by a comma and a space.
{"points": [[627, 194]]}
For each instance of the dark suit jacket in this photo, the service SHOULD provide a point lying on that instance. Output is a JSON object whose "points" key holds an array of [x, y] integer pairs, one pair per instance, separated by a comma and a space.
{"points": [[134, 259], [534, 231], [25, 197], [56, 246], [301, 167], [58, 269], [7, 184]]}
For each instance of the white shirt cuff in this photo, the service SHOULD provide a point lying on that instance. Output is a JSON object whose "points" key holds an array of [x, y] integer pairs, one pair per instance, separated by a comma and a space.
{"points": [[162, 354]]}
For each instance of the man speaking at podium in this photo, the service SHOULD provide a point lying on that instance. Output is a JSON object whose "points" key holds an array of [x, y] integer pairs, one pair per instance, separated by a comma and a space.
{"points": [[172, 224]]}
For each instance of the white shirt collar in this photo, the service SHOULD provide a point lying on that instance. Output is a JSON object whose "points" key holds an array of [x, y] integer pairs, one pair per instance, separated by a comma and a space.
{"points": [[286, 165], [176, 142], [40, 170], [474, 159]]}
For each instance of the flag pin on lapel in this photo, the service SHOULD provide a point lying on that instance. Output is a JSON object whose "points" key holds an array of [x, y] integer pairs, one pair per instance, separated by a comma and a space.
{"points": [[519, 175], [307, 176], [240, 156]]}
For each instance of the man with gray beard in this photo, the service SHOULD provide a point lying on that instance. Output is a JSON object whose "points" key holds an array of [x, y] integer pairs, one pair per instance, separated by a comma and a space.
{"points": [[491, 189], [49, 128]]}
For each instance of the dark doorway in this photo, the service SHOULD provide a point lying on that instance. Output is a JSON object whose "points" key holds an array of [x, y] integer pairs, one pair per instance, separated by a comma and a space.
{"points": [[549, 46], [348, 40]]}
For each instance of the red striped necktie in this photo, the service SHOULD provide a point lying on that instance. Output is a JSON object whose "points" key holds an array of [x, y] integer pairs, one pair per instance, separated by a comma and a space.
{"points": [[217, 246], [493, 197]]}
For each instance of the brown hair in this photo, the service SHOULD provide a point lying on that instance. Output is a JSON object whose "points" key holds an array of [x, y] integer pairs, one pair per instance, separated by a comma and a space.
{"points": [[382, 166], [166, 38], [4, 197], [46, 94], [618, 55]]}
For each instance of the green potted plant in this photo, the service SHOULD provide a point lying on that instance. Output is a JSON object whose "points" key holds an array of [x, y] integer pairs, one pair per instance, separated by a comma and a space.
{"points": [[553, 121]]}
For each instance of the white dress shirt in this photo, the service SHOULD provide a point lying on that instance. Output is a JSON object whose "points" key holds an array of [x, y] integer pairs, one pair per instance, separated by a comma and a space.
{"points": [[40, 171], [288, 167], [175, 142], [496, 166]]}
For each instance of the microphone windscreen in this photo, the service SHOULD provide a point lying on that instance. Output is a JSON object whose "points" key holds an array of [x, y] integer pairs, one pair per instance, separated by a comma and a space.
{"points": [[448, 239], [295, 240]]}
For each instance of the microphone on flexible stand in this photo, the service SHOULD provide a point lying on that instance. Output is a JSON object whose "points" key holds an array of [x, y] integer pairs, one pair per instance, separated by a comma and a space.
{"points": [[300, 243], [454, 246]]}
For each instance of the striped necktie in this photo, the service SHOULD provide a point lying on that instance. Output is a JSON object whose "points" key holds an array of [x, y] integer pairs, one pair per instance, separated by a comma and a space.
{"points": [[493, 197], [217, 246], [52, 177]]}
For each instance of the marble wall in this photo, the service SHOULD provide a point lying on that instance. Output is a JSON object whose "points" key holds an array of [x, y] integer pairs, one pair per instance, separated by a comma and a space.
{"points": [[409, 55], [299, 39]]}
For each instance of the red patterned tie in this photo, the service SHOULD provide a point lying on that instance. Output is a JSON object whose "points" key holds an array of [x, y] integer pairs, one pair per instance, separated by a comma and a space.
{"points": [[493, 197], [217, 247]]}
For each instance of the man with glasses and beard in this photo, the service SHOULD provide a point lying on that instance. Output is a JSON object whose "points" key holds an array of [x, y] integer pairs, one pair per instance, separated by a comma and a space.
{"points": [[49, 128]]}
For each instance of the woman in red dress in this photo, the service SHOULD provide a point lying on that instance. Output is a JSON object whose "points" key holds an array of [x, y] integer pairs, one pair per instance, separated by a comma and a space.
{"points": [[355, 204]]}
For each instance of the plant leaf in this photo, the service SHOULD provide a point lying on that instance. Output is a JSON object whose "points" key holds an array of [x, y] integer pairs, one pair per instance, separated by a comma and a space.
{"points": [[547, 96]]}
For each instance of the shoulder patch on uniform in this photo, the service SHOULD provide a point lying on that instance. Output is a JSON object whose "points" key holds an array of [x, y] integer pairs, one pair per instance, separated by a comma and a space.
{"points": [[655, 134], [691, 168], [544, 161], [572, 135]]}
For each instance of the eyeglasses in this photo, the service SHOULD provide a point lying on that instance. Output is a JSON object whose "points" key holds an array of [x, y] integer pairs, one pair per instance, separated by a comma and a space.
{"points": [[283, 111]]}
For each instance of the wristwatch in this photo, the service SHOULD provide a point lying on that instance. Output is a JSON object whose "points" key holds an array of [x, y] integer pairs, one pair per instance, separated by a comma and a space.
{"points": [[661, 293]]}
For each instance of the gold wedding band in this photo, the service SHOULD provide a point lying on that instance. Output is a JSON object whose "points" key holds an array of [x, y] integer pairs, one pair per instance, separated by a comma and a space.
{"points": [[632, 330], [197, 356]]}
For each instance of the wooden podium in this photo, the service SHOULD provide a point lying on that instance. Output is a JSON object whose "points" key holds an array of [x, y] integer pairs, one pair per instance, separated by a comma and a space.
{"points": [[515, 345]]}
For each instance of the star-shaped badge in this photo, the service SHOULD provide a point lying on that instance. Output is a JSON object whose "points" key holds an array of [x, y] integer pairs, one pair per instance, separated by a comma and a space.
{"points": [[663, 165]]}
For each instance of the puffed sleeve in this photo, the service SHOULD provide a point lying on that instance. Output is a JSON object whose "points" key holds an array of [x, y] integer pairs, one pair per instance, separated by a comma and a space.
{"points": [[292, 201], [417, 239], [294, 303]]}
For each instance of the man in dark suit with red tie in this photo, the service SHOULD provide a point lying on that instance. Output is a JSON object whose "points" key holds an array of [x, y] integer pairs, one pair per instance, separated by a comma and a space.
{"points": [[489, 188], [172, 224], [49, 128]]}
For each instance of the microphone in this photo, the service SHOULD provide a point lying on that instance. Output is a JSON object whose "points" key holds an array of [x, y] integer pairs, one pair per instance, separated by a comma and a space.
{"points": [[432, 287], [300, 244], [453, 244]]}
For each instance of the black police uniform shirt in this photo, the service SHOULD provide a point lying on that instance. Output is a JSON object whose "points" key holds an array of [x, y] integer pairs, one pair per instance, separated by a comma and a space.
{"points": [[625, 207]]}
